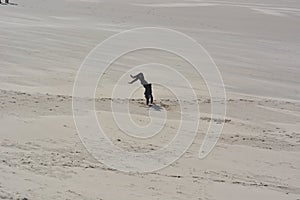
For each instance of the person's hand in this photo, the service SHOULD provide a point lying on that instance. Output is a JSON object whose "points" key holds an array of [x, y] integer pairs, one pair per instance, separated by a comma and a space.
{"points": [[131, 76]]}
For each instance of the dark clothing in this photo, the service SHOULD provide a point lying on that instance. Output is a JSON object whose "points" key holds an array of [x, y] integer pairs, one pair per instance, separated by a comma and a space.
{"points": [[148, 89], [148, 93]]}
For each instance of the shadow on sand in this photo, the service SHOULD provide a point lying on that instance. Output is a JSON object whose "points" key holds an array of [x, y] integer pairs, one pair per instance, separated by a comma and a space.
{"points": [[156, 107], [13, 4]]}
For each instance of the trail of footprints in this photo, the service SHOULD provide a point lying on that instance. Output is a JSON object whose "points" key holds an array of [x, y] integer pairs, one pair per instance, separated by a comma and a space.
{"points": [[23, 104]]}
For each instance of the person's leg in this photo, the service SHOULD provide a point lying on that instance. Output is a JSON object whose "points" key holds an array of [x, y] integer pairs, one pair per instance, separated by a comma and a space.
{"points": [[151, 99], [147, 99]]}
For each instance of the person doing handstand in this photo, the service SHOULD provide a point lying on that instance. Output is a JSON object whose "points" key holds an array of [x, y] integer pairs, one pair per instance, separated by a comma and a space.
{"points": [[147, 86]]}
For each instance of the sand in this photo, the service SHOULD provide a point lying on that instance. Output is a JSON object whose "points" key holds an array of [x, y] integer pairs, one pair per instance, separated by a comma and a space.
{"points": [[255, 45]]}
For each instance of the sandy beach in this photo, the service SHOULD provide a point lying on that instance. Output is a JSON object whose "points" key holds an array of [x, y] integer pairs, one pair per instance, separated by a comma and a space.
{"points": [[255, 46]]}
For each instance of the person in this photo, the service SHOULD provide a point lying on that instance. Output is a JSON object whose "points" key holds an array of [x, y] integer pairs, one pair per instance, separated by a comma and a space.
{"points": [[147, 86]]}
